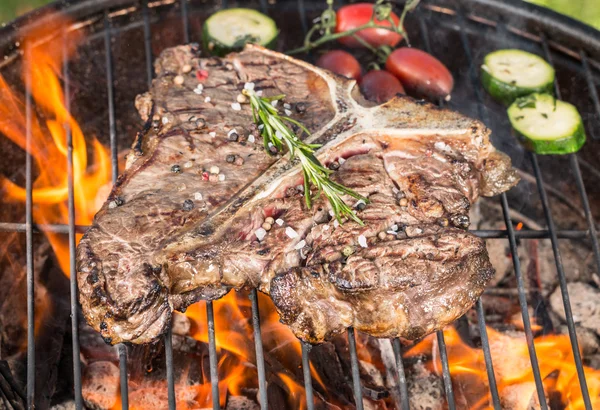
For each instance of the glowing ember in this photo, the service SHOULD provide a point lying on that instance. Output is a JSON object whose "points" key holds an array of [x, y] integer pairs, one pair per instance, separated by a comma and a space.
{"points": [[514, 375], [49, 124]]}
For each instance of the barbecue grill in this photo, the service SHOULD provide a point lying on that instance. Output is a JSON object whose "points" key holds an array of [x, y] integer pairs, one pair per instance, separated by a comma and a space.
{"points": [[122, 38]]}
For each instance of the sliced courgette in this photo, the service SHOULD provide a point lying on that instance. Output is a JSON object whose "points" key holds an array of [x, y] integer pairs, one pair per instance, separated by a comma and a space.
{"points": [[546, 125], [230, 30], [510, 74]]}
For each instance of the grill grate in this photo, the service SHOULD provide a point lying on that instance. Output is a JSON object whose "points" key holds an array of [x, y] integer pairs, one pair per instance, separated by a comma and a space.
{"points": [[427, 13]]}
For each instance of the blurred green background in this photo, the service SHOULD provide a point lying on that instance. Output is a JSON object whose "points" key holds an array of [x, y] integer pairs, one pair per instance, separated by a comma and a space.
{"points": [[584, 10]]}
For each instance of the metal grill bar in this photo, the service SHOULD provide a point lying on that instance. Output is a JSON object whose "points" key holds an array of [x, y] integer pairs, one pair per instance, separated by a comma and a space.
{"points": [[356, 387], [308, 389], [523, 304], [111, 99], [170, 371], [487, 354], [446, 371], [185, 21], [71, 217], [260, 359], [511, 233], [29, 242], [123, 377], [562, 280], [114, 151], [212, 355], [404, 400], [147, 42]]}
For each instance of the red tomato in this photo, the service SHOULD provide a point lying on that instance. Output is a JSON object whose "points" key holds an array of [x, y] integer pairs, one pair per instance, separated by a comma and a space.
{"points": [[340, 62], [380, 86], [422, 74], [355, 15]]}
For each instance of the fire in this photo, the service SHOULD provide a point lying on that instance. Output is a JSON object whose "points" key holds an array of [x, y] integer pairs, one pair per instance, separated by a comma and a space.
{"points": [[49, 124], [235, 347], [514, 375]]}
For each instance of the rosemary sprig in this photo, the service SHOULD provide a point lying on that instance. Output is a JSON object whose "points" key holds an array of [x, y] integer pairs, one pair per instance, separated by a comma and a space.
{"points": [[275, 132]]}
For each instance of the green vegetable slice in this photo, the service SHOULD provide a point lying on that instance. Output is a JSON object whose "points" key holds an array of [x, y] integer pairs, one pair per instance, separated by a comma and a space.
{"points": [[546, 125], [229, 30], [509, 74]]}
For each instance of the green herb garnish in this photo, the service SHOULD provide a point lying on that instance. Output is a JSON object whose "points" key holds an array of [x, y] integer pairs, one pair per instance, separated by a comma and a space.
{"points": [[275, 132]]}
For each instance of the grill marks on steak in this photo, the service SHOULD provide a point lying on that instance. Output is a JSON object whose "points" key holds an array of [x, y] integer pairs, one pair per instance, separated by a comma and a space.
{"points": [[150, 255]]}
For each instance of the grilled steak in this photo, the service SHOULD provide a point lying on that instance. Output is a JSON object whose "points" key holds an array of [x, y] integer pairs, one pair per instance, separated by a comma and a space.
{"points": [[186, 220]]}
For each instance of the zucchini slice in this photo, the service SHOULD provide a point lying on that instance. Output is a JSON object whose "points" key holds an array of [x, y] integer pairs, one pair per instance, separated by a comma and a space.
{"points": [[509, 74], [231, 29], [546, 125]]}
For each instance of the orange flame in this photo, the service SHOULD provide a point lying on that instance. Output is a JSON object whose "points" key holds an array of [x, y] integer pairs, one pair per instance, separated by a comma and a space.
{"points": [[512, 369], [49, 124]]}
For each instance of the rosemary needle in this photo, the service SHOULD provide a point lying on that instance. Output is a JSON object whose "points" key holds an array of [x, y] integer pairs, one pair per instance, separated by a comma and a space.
{"points": [[276, 133]]}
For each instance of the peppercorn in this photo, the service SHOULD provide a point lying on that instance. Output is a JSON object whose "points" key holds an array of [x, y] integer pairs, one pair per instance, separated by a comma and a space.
{"points": [[188, 205], [301, 108], [334, 166], [230, 158], [176, 169], [234, 136]]}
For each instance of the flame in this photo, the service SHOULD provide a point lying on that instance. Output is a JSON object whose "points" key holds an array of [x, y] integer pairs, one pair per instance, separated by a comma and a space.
{"points": [[512, 369], [49, 124], [234, 341]]}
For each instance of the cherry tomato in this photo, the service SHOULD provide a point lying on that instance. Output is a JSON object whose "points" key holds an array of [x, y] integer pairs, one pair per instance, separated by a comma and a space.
{"points": [[422, 74], [340, 62], [380, 86], [354, 15]]}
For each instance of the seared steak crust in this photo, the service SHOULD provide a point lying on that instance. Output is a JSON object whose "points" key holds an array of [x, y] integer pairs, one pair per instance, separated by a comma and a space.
{"points": [[181, 223]]}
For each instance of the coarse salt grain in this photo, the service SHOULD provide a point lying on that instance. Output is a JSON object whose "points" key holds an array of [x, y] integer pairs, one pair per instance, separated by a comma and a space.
{"points": [[236, 106], [290, 232], [279, 135], [199, 87], [197, 91], [391, 167], [394, 227], [286, 105], [274, 103], [300, 188], [279, 221], [212, 134], [260, 233], [214, 169], [287, 112], [188, 164], [300, 244], [249, 86], [112, 205], [392, 233], [325, 227], [259, 93], [362, 241], [251, 138], [165, 120], [207, 100], [341, 160], [221, 177], [331, 213], [198, 196], [336, 224], [261, 126]]}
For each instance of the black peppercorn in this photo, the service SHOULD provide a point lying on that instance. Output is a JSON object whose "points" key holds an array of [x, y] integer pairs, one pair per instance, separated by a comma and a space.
{"points": [[361, 205], [176, 169], [103, 326], [301, 108], [119, 201], [188, 205], [234, 136], [334, 165], [230, 158]]}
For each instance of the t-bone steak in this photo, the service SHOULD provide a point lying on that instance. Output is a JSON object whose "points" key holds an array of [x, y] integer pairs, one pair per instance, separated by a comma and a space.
{"points": [[184, 221]]}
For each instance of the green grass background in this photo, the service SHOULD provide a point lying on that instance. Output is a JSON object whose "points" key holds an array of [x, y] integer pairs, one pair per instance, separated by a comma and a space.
{"points": [[584, 10]]}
